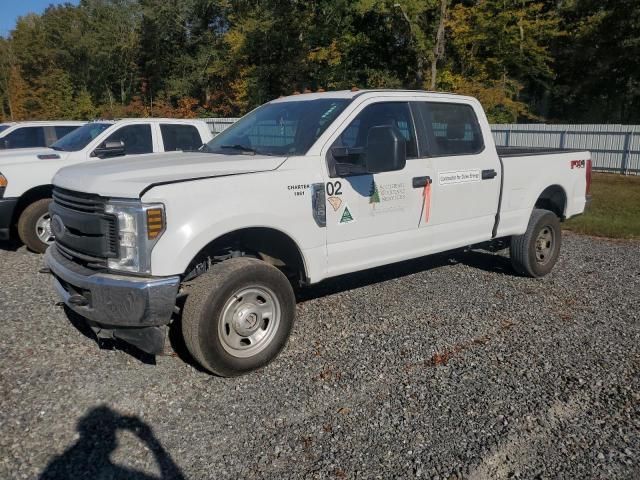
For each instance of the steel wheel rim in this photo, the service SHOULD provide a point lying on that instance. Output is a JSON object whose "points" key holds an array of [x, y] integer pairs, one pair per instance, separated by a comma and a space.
{"points": [[249, 321], [545, 244], [43, 229]]}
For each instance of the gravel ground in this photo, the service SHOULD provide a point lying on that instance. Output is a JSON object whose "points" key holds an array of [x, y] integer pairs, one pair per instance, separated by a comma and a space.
{"points": [[448, 367]]}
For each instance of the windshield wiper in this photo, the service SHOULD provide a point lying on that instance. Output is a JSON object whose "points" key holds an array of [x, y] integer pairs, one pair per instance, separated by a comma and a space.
{"points": [[241, 148]]}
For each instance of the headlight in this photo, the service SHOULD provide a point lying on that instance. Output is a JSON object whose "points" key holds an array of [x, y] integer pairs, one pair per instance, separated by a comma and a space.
{"points": [[139, 227], [3, 184]]}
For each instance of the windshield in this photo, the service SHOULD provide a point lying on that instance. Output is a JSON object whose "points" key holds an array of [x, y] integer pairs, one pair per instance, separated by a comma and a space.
{"points": [[281, 128], [80, 138]]}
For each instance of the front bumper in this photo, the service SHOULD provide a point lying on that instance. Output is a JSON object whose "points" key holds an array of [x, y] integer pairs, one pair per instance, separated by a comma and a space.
{"points": [[122, 306], [7, 209]]}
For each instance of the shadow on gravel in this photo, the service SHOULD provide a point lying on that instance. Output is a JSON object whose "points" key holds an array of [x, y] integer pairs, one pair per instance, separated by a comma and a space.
{"points": [[489, 262], [90, 456], [481, 260], [10, 245], [107, 344]]}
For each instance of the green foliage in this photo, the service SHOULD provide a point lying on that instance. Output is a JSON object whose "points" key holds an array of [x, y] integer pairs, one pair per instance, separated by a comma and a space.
{"points": [[524, 59], [615, 211]]}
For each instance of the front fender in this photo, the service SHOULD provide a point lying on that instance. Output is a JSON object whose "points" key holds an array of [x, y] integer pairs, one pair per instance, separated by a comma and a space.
{"points": [[201, 211]]}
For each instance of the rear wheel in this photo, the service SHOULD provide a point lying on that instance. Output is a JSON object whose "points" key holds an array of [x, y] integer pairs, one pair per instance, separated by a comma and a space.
{"points": [[238, 316], [34, 226], [535, 253]]}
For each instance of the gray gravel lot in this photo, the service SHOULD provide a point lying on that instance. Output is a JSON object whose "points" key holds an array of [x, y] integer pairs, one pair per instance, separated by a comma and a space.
{"points": [[448, 367]]}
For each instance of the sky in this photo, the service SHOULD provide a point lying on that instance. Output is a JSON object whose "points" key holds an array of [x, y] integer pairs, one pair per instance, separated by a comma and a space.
{"points": [[10, 10]]}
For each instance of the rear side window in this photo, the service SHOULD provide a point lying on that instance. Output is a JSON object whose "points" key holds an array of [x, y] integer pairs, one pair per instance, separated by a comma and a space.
{"points": [[137, 139], [61, 131], [180, 137], [450, 129], [25, 137]]}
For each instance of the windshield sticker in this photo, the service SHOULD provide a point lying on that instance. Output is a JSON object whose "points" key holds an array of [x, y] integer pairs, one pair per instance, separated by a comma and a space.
{"points": [[298, 190], [335, 202], [346, 216], [462, 176]]}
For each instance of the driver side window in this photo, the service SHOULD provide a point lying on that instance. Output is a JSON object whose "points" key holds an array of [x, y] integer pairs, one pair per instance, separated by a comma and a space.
{"points": [[354, 138], [137, 139]]}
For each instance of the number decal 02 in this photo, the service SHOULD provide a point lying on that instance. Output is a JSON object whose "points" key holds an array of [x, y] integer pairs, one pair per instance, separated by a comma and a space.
{"points": [[334, 188]]}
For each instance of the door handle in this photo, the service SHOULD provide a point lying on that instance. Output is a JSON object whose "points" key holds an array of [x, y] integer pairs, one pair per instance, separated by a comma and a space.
{"points": [[420, 182], [489, 174]]}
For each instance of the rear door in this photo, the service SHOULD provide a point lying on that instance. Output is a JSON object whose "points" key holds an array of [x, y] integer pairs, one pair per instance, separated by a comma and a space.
{"points": [[463, 199], [180, 137], [372, 219]]}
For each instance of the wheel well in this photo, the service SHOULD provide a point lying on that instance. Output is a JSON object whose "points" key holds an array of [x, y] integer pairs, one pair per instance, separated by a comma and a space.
{"points": [[553, 198], [267, 244], [30, 196]]}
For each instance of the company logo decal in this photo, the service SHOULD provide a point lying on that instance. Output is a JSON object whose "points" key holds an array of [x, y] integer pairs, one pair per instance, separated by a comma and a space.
{"points": [[458, 177], [386, 197], [346, 216]]}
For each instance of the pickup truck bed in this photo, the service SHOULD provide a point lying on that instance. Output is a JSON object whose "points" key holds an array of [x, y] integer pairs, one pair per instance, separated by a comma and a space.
{"points": [[531, 151]]}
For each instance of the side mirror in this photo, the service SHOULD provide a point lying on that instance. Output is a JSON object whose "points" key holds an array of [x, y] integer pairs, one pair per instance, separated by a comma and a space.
{"points": [[110, 149], [386, 150]]}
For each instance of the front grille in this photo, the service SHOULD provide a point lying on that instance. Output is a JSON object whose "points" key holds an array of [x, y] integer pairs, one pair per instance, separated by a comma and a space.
{"points": [[81, 202], [86, 233]]}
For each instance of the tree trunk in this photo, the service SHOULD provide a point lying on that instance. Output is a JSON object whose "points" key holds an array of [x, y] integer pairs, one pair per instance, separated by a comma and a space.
{"points": [[438, 51]]}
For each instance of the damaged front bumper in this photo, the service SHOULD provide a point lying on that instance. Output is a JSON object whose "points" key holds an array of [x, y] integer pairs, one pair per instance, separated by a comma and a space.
{"points": [[134, 309]]}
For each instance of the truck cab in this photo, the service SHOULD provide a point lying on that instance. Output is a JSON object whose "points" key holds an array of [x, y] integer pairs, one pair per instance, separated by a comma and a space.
{"points": [[302, 189]]}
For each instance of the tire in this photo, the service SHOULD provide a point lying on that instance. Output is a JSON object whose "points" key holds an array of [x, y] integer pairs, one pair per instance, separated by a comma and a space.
{"points": [[238, 316], [535, 253], [34, 226]]}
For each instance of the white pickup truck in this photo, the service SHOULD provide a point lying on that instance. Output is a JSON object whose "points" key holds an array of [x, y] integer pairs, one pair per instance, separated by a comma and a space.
{"points": [[25, 175], [301, 189]]}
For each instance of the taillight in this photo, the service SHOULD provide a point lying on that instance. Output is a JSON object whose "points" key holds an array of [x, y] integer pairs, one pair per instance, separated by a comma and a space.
{"points": [[588, 192]]}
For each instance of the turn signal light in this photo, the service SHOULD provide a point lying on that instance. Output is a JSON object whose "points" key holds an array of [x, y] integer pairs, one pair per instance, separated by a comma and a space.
{"points": [[3, 181], [155, 223]]}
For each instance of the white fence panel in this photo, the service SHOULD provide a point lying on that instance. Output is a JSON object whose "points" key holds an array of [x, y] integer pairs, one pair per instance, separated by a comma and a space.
{"points": [[614, 148]]}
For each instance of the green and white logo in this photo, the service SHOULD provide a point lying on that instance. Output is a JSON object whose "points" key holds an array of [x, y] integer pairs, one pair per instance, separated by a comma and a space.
{"points": [[346, 216]]}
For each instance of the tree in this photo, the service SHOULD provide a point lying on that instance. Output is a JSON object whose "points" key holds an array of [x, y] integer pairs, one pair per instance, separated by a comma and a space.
{"points": [[374, 194], [500, 49]]}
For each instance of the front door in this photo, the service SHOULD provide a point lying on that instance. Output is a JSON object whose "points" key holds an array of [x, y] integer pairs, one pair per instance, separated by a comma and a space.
{"points": [[372, 219]]}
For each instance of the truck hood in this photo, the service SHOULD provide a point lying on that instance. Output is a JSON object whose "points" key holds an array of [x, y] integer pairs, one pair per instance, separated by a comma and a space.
{"points": [[23, 155], [128, 177]]}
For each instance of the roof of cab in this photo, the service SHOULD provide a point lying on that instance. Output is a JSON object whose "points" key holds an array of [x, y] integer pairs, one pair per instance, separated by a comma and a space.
{"points": [[148, 120], [45, 123], [351, 94]]}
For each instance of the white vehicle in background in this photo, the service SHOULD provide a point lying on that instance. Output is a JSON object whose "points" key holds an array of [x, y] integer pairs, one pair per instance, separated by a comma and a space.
{"points": [[16, 135], [25, 175], [301, 189]]}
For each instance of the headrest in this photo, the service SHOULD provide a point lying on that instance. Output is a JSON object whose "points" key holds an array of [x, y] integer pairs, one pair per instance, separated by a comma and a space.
{"points": [[455, 131]]}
